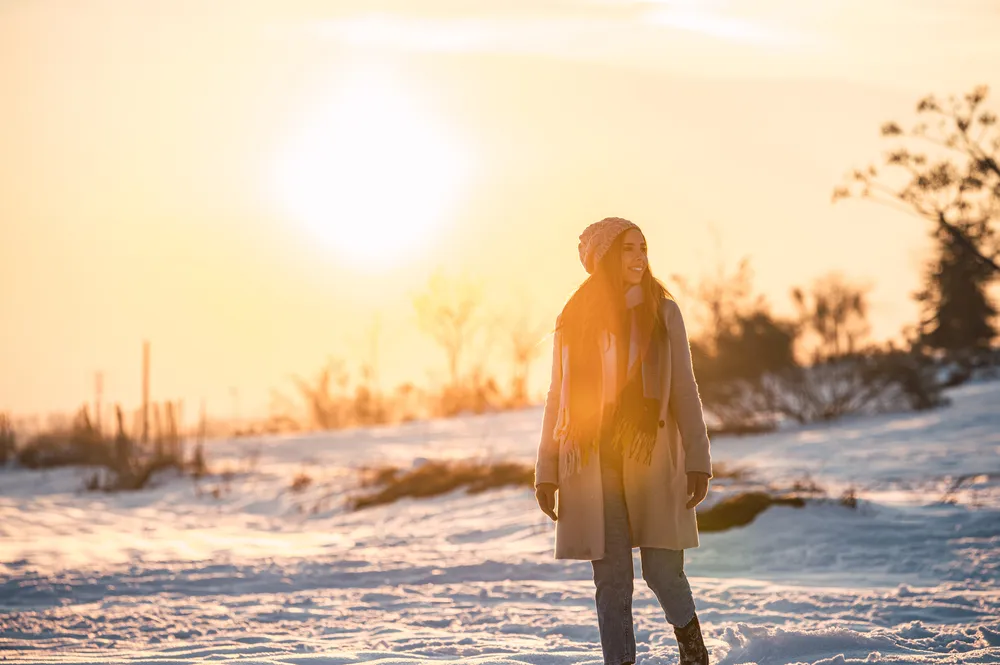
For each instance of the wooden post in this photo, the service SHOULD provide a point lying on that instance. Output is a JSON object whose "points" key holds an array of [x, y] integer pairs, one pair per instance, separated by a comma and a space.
{"points": [[98, 393], [202, 425], [181, 432], [234, 426], [158, 433], [170, 435], [145, 391], [122, 444]]}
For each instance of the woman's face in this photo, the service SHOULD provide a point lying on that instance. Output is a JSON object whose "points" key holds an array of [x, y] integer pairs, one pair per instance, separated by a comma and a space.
{"points": [[634, 260]]}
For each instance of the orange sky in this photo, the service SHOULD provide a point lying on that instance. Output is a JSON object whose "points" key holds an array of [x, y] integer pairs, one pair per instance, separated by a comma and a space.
{"points": [[140, 142]]}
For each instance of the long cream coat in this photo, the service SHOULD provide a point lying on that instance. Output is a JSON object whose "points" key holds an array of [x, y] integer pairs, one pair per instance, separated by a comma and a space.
{"points": [[655, 494]]}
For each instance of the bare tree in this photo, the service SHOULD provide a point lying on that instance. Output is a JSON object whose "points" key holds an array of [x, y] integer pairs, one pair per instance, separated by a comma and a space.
{"points": [[723, 300], [957, 186], [957, 313], [370, 406], [525, 335], [835, 313], [740, 343], [447, 310], [371, 345], [283, 412]]}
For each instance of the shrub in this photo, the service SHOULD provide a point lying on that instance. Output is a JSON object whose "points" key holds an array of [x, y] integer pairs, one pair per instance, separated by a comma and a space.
{"points": [[911, 374], [849, 498], [873, 382], [737, 406], [6, 439], [807, 486]]}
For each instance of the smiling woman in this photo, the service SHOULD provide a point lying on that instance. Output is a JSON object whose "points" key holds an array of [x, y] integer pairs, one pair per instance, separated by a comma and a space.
{"points": [[370, 165]]}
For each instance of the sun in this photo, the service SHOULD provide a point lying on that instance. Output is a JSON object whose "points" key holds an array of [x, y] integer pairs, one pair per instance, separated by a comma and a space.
{"points": [[370, 175]]}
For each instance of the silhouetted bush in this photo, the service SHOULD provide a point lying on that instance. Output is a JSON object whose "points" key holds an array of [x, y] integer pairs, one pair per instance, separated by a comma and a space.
{"points": [[912, 374], [863, 383], [747, 368], [849, 499], [752, 345], [740, 343], [7, 440]]}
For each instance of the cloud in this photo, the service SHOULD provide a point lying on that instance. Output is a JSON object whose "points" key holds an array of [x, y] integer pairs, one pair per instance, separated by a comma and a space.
{"points": [[895, 42], [621, 34], [501, 33], [731, 28]]}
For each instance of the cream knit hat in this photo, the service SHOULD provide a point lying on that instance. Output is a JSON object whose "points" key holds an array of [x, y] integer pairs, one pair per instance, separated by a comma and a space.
{"points": [[596, 239]]}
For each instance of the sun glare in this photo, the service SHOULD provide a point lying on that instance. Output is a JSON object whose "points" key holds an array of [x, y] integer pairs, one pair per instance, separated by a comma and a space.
{"points": [[371, 175]]}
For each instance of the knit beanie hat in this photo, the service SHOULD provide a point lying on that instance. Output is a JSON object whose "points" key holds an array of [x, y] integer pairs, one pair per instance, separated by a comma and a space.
{"points": [[596, 239]]}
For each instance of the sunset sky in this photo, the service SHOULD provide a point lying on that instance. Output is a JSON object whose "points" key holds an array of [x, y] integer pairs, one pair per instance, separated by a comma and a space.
{"points": [[246, 184]]}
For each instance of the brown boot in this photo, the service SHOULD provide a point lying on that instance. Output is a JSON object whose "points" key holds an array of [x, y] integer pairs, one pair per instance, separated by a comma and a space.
{"points": [[690, 643]]}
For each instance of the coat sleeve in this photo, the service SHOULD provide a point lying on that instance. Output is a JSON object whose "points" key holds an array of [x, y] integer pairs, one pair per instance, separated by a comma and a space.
{"points": [[685, 402], [547, 459]]}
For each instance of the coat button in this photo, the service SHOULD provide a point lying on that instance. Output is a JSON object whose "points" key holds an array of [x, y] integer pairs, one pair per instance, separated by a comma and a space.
{"points": [[662, 423]]}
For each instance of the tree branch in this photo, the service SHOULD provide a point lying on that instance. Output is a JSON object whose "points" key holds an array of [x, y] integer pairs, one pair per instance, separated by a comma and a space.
{"points": [[965, 242]]}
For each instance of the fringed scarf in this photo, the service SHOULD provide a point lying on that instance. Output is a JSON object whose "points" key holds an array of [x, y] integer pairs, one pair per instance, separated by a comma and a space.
{"points": [[630, 420]]}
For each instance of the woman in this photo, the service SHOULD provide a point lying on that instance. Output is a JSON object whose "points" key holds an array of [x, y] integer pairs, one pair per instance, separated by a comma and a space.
{"points": [[624, 439]]}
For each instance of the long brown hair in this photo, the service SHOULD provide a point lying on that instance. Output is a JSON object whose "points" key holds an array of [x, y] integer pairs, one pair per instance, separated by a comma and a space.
{"points": [[598, 305]]}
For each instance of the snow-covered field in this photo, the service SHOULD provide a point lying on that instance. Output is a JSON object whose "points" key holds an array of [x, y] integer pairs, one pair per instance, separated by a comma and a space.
{"points": [[246, 568]]}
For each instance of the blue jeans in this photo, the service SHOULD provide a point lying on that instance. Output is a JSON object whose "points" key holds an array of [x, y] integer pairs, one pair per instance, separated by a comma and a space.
{"points": [[662, 569]]}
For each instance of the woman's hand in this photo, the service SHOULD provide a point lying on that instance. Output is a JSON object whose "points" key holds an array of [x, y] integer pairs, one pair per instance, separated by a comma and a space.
{"points": [[545, 494], [697, 487]]}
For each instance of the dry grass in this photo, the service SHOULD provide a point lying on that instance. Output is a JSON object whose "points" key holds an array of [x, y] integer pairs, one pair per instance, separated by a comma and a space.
{"points": [[438, 477], [742, 509], [301, 482], [388, 484], [127, 464], [378, 476], [805, 485]]}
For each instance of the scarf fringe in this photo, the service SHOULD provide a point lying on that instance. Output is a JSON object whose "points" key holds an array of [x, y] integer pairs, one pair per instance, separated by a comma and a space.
{"points": [[641, 442], [578, 453]]}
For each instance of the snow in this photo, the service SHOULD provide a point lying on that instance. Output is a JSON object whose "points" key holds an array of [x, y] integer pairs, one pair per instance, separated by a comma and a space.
{"points": [[243, 568]]}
